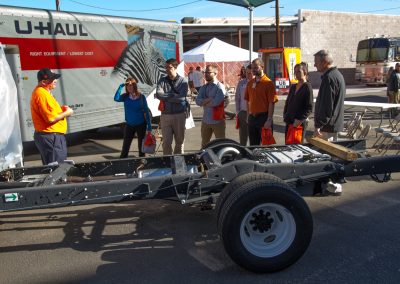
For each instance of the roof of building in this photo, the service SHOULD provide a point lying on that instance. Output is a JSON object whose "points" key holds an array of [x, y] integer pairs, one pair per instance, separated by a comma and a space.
{"points": [[238, 21]]}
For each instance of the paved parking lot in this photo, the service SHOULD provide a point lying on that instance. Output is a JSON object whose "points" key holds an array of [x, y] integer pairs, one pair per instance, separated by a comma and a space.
{"points": [[355, 235]]}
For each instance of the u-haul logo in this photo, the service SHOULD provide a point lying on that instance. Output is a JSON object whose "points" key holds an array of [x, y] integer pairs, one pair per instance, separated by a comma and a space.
{"points": [[47, 28]]}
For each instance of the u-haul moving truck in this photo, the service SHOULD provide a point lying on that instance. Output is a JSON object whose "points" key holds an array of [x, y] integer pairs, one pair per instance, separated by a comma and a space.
{"points": [[93, 53]]}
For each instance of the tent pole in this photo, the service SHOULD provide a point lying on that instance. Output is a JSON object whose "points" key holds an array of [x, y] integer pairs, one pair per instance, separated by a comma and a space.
{"points": [[250, 32], [223, 73]]}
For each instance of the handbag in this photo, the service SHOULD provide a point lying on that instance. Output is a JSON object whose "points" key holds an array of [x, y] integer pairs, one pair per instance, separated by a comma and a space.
{"points": [[294, 134], [267, 138], [149, 144], [237, 122]]}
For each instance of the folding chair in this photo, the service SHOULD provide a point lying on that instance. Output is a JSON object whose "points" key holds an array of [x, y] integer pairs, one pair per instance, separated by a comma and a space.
{"points": [[350, 121], [393, 138], [352, 126], [364, 131], [393, 127]]}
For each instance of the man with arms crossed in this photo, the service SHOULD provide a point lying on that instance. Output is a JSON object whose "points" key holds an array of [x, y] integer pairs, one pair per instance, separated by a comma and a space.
{"points": [[211, 95], [49, 119], [172, 90], [328, 116], [261, 98]]}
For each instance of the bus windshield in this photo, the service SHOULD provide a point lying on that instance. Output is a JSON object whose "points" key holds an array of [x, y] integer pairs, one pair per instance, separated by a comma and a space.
{"points": [[363, 51], [374, 49], [378, 54]]}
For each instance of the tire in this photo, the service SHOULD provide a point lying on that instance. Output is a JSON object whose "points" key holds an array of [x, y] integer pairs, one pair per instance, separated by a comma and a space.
{"points": [[234, 185], [265, 226], [220, 141]]}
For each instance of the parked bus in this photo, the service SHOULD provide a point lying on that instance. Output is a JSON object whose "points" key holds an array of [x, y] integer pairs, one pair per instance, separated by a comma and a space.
{"points": [[93, 53], [374, 58]]}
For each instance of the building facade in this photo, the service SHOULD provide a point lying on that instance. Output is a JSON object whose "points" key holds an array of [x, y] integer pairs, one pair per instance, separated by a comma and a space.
{"points": [[310, 30]]}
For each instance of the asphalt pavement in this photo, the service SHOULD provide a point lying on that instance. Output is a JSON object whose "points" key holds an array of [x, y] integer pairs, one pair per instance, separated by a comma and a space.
{"points": [[356, 235]]}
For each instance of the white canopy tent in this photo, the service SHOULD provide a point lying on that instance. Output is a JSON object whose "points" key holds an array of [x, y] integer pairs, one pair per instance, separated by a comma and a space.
{"points": [[216, 50]]}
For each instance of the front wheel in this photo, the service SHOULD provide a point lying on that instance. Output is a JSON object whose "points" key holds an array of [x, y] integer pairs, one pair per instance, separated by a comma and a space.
{"points": [[266, 226]]}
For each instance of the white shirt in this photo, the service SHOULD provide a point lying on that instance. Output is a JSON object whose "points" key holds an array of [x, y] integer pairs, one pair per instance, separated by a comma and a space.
{"points": [[197, 78]]}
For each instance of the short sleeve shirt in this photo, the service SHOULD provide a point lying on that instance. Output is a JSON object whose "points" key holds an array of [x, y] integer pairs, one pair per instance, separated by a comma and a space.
{"points": [[260, 94], [44, 108]]}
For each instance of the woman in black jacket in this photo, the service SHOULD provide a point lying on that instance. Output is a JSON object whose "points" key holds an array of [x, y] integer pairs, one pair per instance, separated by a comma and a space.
{"points": [[299, 102]]}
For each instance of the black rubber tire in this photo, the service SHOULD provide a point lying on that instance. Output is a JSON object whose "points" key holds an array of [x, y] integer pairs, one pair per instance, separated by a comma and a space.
{"points": [[220, 141], [259, 193], [234, 185]]}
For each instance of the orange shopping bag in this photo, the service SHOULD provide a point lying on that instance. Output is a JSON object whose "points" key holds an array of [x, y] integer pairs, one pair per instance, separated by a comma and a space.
{"points": [[219, 112], [294, 134], [267, 138], [161, 106]]}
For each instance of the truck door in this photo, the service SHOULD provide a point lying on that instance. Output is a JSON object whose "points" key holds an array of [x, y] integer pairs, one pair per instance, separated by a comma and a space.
{"points": [[13, 59]]}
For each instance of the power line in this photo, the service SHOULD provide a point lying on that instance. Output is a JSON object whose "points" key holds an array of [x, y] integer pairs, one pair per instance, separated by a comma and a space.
{"points": [[394, 8], [143, 10]]}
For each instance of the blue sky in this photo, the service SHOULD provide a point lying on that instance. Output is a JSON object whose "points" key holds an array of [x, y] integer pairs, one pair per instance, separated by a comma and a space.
{"points": [[203, 8]]}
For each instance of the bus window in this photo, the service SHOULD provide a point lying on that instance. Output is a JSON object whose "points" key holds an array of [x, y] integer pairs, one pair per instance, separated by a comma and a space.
{"points": [[362, 55], [379, 54], [362, 51]]}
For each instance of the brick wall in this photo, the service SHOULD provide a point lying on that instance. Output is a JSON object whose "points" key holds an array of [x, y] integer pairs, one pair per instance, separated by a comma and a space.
{"points": [[340, 33]]}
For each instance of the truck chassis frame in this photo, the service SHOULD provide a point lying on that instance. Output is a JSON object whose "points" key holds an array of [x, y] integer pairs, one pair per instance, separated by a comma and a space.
{"points": [[264, 223]]}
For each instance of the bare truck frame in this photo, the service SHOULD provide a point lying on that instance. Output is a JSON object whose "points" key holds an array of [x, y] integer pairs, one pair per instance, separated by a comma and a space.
{"points": [[264, 223]]}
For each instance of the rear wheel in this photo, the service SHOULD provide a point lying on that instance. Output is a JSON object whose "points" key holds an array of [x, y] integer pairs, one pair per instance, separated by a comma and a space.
{"points": [[265, 226]]}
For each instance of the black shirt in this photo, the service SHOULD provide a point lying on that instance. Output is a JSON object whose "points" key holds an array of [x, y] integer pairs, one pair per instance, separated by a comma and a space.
{"points": [[298, 105]]}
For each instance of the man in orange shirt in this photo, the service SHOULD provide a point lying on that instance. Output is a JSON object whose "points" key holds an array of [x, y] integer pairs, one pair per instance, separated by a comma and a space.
{"points": [[261, 97], [49, 119]]}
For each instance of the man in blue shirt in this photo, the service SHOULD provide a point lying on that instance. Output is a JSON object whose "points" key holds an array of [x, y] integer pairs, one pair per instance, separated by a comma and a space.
{"points": [[211, 98]]}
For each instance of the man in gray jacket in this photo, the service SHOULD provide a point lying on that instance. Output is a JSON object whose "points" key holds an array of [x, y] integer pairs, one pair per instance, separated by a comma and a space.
{"points": [[171, 91], [328, 116]]}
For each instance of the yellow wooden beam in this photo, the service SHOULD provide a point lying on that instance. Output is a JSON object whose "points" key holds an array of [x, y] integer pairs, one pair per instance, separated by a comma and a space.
{"points": [[333, 149]]}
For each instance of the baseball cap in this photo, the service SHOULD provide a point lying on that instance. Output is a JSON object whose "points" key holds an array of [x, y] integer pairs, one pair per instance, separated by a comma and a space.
{"points": [[47, 74]]}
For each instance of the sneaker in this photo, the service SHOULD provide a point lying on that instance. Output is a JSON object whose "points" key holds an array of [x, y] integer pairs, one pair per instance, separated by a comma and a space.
{"points": [[333, 188]]}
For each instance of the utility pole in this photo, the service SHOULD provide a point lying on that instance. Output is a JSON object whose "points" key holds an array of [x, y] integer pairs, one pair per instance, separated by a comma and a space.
{"points": [[277, 30], [58, 5]]}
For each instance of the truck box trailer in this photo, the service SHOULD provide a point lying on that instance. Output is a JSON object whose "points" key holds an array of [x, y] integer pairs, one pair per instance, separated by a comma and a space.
{"points": [[93, 53]]}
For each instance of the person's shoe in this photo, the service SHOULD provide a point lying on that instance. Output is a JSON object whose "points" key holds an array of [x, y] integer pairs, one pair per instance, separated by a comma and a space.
{"points": [[332, 188]]}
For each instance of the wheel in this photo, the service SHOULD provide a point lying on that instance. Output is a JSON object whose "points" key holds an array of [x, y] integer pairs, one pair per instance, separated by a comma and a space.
{"points": [[220, 141], [265, 226], [237, 183]]}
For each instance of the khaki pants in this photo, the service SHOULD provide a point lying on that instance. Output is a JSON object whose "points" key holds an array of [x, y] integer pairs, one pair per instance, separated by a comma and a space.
{"points": [[208, 129], [393, 97], [173, 127]]}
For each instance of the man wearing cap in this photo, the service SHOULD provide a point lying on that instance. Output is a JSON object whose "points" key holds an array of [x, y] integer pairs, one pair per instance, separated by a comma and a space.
{"points": [[49, 119]]}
